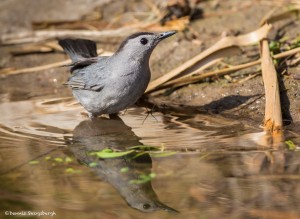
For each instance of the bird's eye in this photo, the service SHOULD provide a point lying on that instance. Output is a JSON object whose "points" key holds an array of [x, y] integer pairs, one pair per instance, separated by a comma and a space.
{"points": [[144, 41], [146, 206]]}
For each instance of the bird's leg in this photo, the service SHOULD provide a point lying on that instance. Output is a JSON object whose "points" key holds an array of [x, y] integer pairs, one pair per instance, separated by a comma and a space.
{"points": [[149, 112], [114, 116], [123, 112], [92, 116]]}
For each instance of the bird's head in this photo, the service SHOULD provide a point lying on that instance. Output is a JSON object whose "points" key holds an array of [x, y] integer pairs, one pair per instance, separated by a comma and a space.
{"points": [[152, 206], [141, 45]]}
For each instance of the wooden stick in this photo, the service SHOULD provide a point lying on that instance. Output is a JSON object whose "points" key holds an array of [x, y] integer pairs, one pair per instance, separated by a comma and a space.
{"points": [[273, 117]]}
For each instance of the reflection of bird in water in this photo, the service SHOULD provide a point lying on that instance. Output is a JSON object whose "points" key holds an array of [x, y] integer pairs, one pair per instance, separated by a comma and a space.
{"points": [[100, 133]]}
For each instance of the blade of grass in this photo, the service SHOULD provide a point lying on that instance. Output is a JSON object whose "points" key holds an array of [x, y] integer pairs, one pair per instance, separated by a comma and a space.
{"points": [[110, 154]]}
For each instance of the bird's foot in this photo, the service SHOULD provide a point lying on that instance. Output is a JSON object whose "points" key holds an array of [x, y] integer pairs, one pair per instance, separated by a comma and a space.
{"points": [[123, 112], [114, 116], [92, 116], [149, 112]]}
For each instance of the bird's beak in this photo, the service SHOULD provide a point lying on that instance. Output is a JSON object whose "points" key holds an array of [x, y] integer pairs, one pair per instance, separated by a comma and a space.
{"points": [[165, 35], [164, 207]]}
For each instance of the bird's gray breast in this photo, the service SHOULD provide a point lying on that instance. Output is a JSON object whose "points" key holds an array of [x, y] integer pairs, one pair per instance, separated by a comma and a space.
{"points": [[131, 83]]}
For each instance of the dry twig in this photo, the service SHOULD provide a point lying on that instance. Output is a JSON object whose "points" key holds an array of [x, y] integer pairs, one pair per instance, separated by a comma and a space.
{"points": [[273, 119]]}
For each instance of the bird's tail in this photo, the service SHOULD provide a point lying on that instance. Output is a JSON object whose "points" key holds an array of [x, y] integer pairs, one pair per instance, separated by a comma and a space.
{"points": [[78, 49]]}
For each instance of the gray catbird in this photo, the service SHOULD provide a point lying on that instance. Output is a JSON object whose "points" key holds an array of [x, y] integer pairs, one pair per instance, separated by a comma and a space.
{"points": [[109, 84]]}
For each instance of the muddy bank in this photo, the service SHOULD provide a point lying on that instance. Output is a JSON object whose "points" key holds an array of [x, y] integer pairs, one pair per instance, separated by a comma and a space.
{"points": [[231, 98], [240, 101], [239, 98]]}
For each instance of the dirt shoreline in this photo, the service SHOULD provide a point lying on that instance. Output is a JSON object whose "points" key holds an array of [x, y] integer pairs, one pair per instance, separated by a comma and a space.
{"points": [[244, 101]]}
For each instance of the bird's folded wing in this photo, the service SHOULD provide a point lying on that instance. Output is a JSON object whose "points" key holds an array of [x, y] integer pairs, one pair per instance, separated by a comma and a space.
{"points": [[83, 63], [91, 77], [83, 83]]}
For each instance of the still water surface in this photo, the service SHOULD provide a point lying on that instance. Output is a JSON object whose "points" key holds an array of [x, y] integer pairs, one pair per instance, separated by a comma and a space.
{"points": [[221, 168]]}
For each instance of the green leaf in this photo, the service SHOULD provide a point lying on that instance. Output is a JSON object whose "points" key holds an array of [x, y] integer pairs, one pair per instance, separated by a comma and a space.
{"points": [[48, 158], [33, 162], [58, 160], [274, 46], [124, 169], [107, 150], [69, 170], [163, 154], [139, 181], [93, 164], [72, 170], [138, 155], [152, 175], [68, 159], [110, 154], [143, 178], [145, 148], [291, 145]]}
